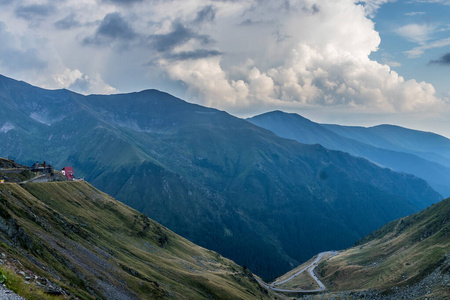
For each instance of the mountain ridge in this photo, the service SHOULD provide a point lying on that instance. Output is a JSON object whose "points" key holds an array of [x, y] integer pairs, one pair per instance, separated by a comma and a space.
{"points": [[352, 139], [215, 179]]}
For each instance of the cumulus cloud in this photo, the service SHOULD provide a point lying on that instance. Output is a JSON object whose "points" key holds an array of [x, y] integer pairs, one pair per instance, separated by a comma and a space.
{"points": [[229, 54], [371, 6], [31, 59], [76, 81], [326, 64]]}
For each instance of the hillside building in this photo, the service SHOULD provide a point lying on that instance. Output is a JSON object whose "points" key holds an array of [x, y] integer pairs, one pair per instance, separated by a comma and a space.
{"points": [[42, 167], [68, 172]]}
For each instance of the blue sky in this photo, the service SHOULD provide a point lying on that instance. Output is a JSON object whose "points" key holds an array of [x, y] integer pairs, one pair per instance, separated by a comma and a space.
{"points": [[340, 61], [428, 23]]}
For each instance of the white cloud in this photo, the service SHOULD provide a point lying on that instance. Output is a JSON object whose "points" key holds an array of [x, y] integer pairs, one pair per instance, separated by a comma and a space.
{"points": [[323, 61], [415, 13], [418, 33], [244, 54], [393, 64], [418, 51], [82, 83], [39, 55], [371, 6]]}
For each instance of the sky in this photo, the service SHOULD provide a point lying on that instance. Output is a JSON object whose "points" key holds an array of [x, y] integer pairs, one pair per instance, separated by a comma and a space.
{"points": [[335, 61]]}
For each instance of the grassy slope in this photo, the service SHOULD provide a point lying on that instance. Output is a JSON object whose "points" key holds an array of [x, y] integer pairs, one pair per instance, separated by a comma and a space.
{"points": [[8, 164], [399, 254], [96, 247]]}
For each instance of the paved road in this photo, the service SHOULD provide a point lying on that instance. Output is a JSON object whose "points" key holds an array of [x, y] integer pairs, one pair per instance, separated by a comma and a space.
{"points": [[311, 268]]}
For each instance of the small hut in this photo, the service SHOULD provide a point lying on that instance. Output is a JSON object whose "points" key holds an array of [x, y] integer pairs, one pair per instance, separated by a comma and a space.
{"points": [[68, 172]]}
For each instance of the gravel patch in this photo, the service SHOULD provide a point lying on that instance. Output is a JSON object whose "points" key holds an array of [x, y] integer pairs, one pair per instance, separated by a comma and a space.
{"points": [[6, 294]]}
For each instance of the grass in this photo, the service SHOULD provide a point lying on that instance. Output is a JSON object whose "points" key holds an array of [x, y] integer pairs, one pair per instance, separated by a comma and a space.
{"points": [[28, 290], [82, 239], [401, 253]]}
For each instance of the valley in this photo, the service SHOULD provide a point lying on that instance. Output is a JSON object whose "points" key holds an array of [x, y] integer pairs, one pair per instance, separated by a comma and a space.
{"points": [[267, 202], [262, 200], [224, 150], [407, 258]]}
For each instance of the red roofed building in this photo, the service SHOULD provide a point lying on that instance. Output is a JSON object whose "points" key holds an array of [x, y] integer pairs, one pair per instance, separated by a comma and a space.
{"points": [[68, 172]]}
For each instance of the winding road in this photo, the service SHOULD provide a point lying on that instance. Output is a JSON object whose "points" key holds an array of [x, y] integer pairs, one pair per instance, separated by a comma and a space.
{"points": [[311, 267]]}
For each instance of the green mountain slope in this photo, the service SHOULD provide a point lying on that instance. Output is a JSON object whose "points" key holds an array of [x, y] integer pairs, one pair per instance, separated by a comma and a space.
{"points": [[70, 239], [222, 182], [408, 254], [427, 145], [419, 153]]}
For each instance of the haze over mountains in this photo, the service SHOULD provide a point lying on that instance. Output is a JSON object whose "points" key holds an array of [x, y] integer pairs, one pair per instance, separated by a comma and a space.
{"points": [[423, 154], [264, 201]]}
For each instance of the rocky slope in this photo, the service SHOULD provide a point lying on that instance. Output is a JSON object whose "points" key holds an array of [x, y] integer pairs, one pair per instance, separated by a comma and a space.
{"points": [[60, 240]]}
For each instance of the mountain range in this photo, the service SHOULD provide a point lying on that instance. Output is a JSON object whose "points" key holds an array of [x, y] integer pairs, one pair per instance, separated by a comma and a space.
{"points": [[423, 154], [222, 182]]}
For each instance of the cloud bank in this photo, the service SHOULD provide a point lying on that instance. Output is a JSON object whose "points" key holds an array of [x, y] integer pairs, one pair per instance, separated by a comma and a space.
{"points": [[241, 56]]}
